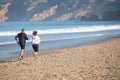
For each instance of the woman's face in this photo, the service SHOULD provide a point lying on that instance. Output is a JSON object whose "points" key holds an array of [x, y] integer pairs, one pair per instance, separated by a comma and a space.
{"points": [[32, 33]]}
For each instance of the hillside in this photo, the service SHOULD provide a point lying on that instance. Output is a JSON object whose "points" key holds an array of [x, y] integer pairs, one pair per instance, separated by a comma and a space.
{"points": [[59, 10]]}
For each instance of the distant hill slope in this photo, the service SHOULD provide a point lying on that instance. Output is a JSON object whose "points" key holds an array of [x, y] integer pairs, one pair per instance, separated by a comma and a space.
{"points": [[59, 10]]}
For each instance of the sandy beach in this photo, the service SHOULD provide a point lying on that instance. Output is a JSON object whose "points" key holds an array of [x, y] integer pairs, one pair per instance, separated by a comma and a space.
{"points": [[95, 61]]}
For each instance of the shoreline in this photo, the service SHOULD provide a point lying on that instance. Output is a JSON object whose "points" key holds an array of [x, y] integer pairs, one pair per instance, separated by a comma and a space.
{"points": [[93, 61], [42, 52], [46, 51]]}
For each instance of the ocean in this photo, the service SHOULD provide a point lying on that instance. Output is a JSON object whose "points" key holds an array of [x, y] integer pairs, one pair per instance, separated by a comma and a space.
{"points": [[55, 35]]}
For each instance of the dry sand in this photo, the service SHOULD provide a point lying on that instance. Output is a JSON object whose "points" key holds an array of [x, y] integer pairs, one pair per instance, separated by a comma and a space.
{"points": [[97, 61]]}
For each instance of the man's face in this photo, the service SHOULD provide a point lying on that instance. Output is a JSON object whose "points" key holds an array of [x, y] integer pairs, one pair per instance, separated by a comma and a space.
{"points": [[24, 31]]}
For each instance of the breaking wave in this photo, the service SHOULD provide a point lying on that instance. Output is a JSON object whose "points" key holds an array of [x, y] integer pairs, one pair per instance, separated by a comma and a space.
{"points": [[65, 30]]}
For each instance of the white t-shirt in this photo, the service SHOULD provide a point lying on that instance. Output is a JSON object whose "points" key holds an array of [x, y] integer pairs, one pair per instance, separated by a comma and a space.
{"points": [[35, 39]]}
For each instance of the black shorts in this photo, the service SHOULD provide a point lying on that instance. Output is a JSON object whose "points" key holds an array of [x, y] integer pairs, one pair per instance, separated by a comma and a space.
{"points": [[35, 47], [22, 46]]}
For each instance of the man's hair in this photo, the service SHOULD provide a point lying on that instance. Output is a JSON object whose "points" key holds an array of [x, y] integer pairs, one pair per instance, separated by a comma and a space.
{"points": [[22, 29]]}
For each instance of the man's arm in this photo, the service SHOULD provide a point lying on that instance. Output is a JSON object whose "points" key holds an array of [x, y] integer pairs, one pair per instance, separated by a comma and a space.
{"points": [[26, 37], [16, 38]]}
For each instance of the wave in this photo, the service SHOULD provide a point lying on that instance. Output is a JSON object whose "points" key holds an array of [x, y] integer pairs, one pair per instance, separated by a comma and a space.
{"points": [[7, 43], [74, 37], [65, 30]]}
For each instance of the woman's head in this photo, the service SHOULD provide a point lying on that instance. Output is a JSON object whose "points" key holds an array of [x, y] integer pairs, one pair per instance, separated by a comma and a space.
{"points": [[34, 33]]}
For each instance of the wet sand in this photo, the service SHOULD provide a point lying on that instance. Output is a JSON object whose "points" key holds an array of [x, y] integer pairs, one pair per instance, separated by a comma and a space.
{"points": [[96, 61]]}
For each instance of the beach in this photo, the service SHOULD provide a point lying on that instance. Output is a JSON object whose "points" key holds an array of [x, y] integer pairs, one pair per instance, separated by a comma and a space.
{"points": [[94, 61]]}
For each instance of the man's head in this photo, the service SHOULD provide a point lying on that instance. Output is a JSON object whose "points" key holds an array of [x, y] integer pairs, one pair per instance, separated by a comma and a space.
{"points": [[22, 30]]}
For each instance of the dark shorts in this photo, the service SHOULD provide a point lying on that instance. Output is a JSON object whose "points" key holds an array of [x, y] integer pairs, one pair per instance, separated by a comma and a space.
{"points": [[35, 47], [22, 46]]}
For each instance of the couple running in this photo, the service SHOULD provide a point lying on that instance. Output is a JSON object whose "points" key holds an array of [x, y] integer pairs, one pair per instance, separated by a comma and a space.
{"points": [[21, 40]]}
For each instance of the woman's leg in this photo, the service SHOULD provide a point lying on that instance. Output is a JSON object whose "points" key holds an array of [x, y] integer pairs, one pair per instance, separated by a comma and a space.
{"points": [[35, 53]]}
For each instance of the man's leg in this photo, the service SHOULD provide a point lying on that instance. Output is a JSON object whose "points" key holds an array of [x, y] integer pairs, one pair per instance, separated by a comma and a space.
{"points": [[21, 53]]}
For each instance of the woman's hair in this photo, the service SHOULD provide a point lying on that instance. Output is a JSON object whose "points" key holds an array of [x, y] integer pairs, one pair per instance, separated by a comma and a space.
{"points": [[34, 33]]}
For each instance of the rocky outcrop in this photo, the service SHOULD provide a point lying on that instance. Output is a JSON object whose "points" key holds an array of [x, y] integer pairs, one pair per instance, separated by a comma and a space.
{"points": [[111, 15], [3, 11], [45, 14]]}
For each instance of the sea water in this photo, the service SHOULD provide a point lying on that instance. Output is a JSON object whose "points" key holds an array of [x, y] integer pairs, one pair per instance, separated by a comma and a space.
{"points": [[55, 34]]}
